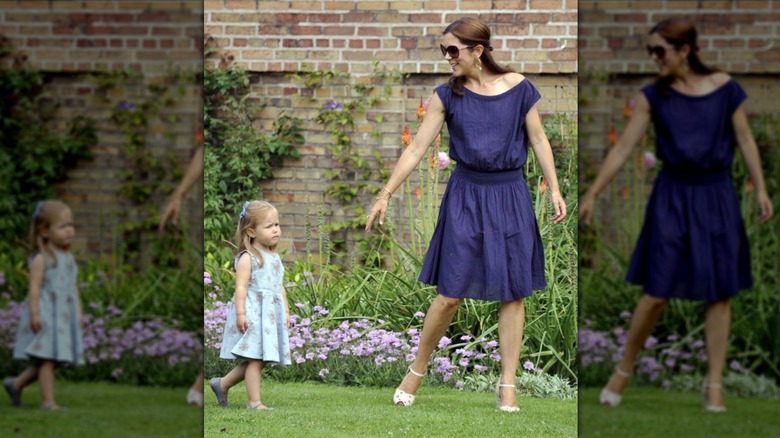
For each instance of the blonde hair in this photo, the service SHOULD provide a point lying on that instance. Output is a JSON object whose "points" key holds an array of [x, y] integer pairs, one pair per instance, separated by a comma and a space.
{"points": [[46, 212], [252, 213]]}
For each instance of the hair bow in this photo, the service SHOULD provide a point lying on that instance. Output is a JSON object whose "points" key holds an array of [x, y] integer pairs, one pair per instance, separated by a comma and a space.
{"points": [[37, 209], [243, 210]]}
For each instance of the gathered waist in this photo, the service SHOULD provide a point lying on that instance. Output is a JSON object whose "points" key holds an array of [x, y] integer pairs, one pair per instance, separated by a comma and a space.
{"points": [[693, 176], [486, 178]]}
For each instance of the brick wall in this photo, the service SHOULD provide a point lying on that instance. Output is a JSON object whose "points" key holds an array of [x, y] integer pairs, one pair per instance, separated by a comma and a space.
{"points": [[739, 37], [68, 39], [272, 38]]}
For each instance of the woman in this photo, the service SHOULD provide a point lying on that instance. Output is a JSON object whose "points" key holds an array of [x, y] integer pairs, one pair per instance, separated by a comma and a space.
{"points": [[486, 244], [693, 243]]}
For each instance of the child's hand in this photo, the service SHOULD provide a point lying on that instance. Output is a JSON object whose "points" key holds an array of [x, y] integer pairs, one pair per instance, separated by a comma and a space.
{"points": [[35, 323], [242, 323]]}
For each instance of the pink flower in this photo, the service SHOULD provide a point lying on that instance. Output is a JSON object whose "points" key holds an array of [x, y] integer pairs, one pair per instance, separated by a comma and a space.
{"points": [[649, 160], [444, 160]]}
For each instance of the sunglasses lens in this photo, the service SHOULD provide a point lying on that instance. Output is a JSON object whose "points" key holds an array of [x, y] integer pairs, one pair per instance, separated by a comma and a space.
{"points": [[658, 51], [450, 50]]}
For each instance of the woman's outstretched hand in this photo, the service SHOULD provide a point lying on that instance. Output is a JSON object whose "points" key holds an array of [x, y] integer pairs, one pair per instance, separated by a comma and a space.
{"points": [[586, 208], [766, 207], [560, 207], [379, 210]]}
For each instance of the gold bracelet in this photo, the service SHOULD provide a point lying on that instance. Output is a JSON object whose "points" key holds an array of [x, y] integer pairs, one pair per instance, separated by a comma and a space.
{"points": [[384, 189]]}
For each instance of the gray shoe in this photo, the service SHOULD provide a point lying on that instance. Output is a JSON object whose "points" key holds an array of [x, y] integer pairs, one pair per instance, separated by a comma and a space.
{"points": [[16, 398], [221, 396]]}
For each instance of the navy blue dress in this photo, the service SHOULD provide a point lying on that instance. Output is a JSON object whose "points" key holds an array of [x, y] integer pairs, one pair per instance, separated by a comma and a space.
{"points": [[486, 244], [693, 243]]}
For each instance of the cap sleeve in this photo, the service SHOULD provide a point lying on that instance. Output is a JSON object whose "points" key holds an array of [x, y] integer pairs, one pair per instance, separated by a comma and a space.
{"points": [[445, 95], [737, 95], [530, 97]]}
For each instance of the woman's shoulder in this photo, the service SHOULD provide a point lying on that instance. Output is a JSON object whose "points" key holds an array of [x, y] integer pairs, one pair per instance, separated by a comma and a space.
{"points": [[512, 78], [719, 79]]}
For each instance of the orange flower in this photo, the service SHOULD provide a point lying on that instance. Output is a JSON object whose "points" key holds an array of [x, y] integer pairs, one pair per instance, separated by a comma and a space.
{"points": [[543, 185], [612, 137], [418, 191], [628, 109], [749, 186], [199, 135], [421, 109], [406, 136]]}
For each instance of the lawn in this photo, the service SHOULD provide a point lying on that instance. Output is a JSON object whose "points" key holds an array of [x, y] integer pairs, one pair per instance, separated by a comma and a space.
{"points": [[651, 412], [102, 410], [318, 410]]}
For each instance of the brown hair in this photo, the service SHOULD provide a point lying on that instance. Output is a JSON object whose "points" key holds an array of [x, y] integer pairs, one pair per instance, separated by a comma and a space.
{"points": [[471, 32], [253, 212], [679, 31], [44, 215]]}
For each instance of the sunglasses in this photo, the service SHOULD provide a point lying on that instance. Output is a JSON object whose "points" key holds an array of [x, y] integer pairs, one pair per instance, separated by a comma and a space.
{"points": [[453, 51], [658, 51]]}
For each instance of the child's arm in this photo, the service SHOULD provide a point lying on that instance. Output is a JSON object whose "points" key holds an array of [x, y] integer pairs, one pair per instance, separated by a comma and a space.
{"points": [[81, 308], [286, 305], [243, 271], [37, 267]]}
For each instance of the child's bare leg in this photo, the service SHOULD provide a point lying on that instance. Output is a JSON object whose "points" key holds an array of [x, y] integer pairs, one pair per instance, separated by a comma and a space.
{"points": [[236, 375], [29, 375], [254, 377], [46, 378]]}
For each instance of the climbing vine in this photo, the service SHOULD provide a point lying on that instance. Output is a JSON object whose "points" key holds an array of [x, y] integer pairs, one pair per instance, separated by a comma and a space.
{"points": [[33, 155], [355, 175]]}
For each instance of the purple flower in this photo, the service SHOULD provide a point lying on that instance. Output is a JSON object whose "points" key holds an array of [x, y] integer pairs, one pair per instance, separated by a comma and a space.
{"points": [[625, 314], [445, 341], [528, 365], [419, 315], [300, 305], [459, 384], [2, 279], [333, 105], [206, 278], [126, 106], [735, 366]]}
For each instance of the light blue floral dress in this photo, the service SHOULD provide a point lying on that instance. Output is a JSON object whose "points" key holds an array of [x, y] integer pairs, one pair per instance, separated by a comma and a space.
{"points": [[267, 338], [60, 338]]}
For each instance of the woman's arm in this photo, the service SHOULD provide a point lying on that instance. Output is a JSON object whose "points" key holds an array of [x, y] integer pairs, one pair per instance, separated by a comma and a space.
{"points": [[194, 172], [37, 267], [543, 152], [243, 271], [749, 150], [637, 125], [411, 157]]}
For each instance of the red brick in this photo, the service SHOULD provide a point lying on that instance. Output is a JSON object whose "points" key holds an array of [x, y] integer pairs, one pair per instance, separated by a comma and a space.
{"points": [[324, 18], [306, 30], [358, 17]]}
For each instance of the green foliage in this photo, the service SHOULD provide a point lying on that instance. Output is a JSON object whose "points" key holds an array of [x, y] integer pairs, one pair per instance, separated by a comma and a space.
{"points": [[33, 155], [237, 155], [351, 171]]}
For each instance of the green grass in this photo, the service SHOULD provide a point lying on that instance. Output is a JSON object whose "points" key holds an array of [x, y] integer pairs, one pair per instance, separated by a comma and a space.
{"points": [[652, 412], [102, 410], [317, 410]]}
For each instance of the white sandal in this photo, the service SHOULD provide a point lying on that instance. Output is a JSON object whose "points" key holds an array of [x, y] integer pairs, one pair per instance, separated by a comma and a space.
{"points": [[499, 406], [610, 398], [705, 392], [402, 398]]}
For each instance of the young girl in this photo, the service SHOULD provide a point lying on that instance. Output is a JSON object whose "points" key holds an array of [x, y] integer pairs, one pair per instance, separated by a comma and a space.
{"points": [[258, 319], [50, 328]]}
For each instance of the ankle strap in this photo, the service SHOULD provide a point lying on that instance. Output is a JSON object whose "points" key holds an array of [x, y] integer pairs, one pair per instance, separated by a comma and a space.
{"points": [[713, 385], [416, 373], [622, 373], [506, 385]]}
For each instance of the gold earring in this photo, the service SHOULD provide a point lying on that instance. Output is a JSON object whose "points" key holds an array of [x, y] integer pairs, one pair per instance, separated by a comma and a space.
{"points": [[479, 64]]}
